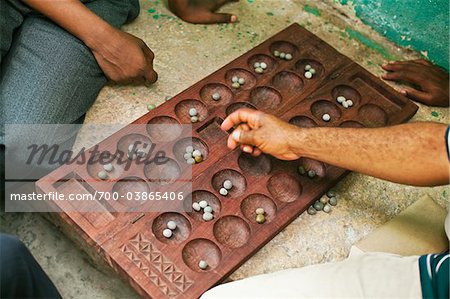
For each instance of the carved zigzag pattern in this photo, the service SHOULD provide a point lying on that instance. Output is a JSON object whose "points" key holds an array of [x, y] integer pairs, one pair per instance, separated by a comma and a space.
{"points": [[139, 247]]}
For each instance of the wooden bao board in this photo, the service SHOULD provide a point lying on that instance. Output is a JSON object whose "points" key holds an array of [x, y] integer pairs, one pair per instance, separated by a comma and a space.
{"points": [[156, 267]]}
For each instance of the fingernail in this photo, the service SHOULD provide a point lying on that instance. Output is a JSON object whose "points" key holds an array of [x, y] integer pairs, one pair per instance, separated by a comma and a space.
{"points": [[403, 92], [233, 19], [392, 61], [236, 134], [247, 149]]}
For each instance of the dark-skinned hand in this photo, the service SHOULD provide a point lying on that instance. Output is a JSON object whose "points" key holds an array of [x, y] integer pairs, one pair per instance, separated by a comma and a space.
{"points": [[430, 82], [201, 11]]}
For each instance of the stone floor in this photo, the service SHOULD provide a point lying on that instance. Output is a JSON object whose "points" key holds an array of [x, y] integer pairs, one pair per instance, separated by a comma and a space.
{"points": [[186, 53]]}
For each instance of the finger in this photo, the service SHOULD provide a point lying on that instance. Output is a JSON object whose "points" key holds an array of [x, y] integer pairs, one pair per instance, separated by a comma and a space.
{"points": [[243, 137], [423, 61], [416, 95], [405, 73], [213, 18], [149, 73], [150, 76], [256, 152], [244, 115]]}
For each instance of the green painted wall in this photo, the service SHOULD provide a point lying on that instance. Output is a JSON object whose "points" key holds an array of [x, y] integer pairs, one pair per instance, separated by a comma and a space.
{"points": [[420, 24]]}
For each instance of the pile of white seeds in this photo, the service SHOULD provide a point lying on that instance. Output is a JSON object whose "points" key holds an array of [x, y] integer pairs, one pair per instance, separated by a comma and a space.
{"points": [[103, 174], [226, 186], [236, 82], [192, 156], [282, 55], [193, 114], [344, 102], [260, 67], [309, 71], [207, 209], [170, 227]]}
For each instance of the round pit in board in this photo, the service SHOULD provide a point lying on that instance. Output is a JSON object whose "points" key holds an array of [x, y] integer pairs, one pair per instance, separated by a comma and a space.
{"points": [[231, 231], [372, 115], [240, 79], [190, 150], [131, 183], [163, 129], [162, 174], [201, 250], [265, 98], [284, 187], [260, 165], [280, 47], [238, 183], [303, 122], [346, 96], [258, 204], [213, 204], [287, 81], [311, 169], [236, 106], [216, 94], [166, 235], [325, 111], [191, 111]]}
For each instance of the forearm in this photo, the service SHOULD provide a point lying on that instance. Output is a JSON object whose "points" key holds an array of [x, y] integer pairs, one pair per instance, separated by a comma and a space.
{"points": [[75, 17], [412, 153]]}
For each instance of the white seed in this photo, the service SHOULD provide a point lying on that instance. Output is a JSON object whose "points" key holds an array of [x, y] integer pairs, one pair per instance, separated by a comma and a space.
{"points": [[189, 149], [131, 155], [108, 167], [202, 264], [259, 70], [327, 208], [263, 65], [203, 204], [276, 53], [192, 112], [307, 67], [140, 153], [312, 71], [341, 99], [223, 191], [190, 161], [345, 104], [241, 81], [208, 209], [331, 193], [256, 65], [282, 55], [227, 184], [312, 211], [103, 175], [349, 103], [318, 205], [308, 75], [323, 200], [194, 119], [216, 96], [260, 211], [167, 233], [234, 79], [171, 225], [288, 56], [196, 206], [187, 156], [235, 85], [207, 216], [326, 117], [333, 201], [196, 153]]}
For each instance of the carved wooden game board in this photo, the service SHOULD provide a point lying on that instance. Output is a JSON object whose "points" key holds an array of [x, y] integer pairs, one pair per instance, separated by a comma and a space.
{"points": [[157, 267]]}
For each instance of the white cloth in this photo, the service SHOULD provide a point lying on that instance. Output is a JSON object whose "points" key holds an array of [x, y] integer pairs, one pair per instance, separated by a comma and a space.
{"points": [[361, 275]]}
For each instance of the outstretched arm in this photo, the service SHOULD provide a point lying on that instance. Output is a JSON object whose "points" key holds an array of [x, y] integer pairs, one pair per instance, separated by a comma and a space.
{"points": [[413, 153], [122, 57]]}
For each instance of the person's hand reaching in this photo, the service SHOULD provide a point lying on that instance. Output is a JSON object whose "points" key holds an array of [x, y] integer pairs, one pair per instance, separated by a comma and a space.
{"points": [[201, 11], [430, 82], [257, 132], [125, 58]]}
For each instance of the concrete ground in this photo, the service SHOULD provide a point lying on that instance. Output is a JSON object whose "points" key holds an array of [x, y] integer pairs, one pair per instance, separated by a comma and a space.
{"points": [[364, 203]]}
